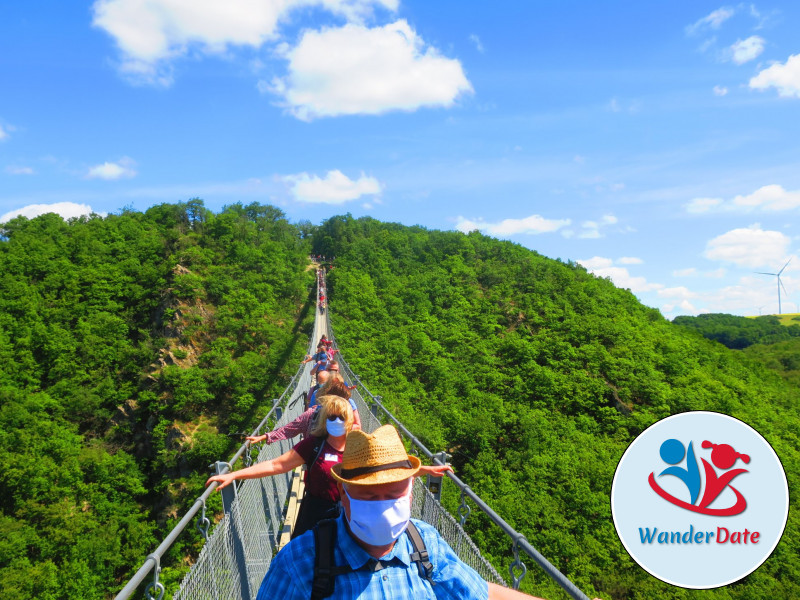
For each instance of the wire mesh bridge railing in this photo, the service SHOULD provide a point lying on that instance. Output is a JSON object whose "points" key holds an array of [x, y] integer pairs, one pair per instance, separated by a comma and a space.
{"points": [[237, 554]]}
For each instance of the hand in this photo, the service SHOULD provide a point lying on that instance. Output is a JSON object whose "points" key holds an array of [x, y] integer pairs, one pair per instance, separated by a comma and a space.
{"points": [[256, 438], [223, 480], [436, 470]]}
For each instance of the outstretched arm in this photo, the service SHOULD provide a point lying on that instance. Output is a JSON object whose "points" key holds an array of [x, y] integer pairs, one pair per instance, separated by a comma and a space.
{"points": [[287, 432], [437, 470], [283, 464], [498, 592]]}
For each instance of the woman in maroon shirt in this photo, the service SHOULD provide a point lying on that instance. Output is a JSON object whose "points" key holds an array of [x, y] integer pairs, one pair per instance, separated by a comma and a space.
{"points": [[319, 452]]}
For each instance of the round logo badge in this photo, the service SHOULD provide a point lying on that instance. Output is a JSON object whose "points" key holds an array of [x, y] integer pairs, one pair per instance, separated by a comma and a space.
{"points": [[700, 500]]}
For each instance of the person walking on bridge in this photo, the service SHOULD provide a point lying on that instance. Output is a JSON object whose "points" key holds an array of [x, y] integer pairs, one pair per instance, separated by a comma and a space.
{"points": [[319, 452], [372, 558]]}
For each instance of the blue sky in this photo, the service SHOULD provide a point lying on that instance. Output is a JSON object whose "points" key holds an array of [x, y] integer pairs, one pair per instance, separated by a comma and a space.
{"points": [[656, 143]]}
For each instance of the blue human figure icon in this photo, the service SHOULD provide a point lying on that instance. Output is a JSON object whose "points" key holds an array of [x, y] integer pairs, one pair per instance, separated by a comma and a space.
{"points": [[672, 452]]}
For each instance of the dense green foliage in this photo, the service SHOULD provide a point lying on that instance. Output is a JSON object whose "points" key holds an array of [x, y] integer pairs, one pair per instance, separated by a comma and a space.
{"points": [[130, 346], [740, 332], [536, 376], [781, 357], [134, 347]]}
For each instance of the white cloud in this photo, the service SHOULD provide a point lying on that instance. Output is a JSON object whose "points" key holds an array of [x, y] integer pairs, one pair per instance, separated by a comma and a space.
{"points": [[746, 50], [680, 291], [784, 77], [123, 169], [67, 210], [532, 225], [716, 273], [3, 133], [691, 271], [16, 170], [477, 42], [684, 305], [151, 32], [770, 197], [579, 159], [629, 260], [720, 90], [359, 70], [700, 205], [596, 262], [707, 44], [620, 276], [334, 188], [752, 247], [752, 295], [714, 20], [591, 229]]}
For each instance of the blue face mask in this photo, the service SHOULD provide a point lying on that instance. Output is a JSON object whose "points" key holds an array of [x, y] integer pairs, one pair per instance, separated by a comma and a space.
{"points": [[336, 427], [379, 522]]}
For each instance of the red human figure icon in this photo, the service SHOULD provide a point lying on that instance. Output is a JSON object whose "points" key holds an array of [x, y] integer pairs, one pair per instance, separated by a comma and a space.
{"points": [[724, 457]]}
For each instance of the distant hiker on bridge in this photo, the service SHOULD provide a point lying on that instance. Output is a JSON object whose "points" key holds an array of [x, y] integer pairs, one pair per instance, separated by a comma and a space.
{"points": [[320, 354], [366, 551], [305, 422], [333, 368], [322, 379], [324, 340]]}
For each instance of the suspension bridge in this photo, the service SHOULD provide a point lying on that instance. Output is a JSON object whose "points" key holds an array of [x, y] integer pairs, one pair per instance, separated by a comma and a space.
{"points": [[259, 513]]}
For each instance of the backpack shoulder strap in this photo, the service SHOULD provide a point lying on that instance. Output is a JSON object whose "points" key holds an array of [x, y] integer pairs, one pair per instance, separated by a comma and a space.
{"points": [[316, 450], [420, 554], [325, 569]]}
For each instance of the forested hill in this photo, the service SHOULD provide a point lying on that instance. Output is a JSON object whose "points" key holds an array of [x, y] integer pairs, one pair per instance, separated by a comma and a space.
{"points": [[740, 332], [135, 347], [132, 348], [536, 376]]}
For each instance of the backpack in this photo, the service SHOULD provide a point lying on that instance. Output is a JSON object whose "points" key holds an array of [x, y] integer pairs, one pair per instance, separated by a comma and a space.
{"points": [[313, 423], [326, 571]]}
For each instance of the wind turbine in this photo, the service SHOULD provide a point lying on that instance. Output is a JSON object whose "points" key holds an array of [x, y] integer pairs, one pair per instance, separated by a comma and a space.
{"points": [[780, 283]]}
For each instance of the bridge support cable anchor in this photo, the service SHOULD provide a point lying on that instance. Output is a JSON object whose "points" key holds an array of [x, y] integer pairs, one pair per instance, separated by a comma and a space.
{"points": [[203, 523], [156, 584], [247, 458], [374, 409], [229, 498], [435, 481], [517, 564], [464, 509]]}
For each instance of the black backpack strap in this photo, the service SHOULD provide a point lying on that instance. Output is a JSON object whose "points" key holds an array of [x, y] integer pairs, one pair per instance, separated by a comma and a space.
{"points": [[325, 569], [317, 450], [420, 554]]}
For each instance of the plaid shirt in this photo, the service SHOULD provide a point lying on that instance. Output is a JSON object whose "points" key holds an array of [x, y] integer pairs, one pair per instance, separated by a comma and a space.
{"points": [[299, 425], [292, 570]]}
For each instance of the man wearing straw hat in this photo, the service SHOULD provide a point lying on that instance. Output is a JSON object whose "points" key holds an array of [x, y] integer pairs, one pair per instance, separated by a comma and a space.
{"points": [[372, 557]]}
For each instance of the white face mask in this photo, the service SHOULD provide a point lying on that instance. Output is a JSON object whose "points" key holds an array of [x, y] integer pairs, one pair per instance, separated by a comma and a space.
{"points": [[379, 522], [336, 427]]}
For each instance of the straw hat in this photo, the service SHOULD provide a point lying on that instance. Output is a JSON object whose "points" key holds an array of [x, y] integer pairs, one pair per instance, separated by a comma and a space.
{"points": [[375, 458]]}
